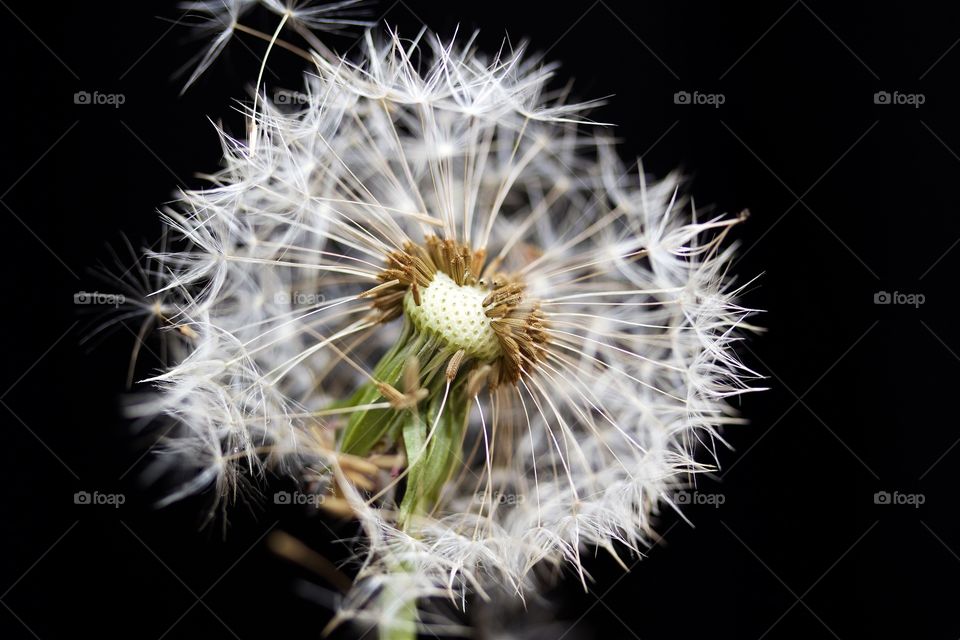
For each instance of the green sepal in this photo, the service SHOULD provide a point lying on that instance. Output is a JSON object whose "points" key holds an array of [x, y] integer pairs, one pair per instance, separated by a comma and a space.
{"points": [[430, 463], [368, 427]]}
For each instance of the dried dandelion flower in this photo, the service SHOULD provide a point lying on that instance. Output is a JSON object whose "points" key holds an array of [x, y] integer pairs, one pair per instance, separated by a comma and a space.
{"points": [[432, 293]]}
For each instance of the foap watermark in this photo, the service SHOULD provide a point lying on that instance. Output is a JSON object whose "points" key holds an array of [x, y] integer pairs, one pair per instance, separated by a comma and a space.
{"points": [[299, 298], [696, 497], [898, 98], [108, 99], [709, 99], [500, 498], [285, 96], [95, 297], [97, 498], [897, 498], [908, 299], [298, 498]]}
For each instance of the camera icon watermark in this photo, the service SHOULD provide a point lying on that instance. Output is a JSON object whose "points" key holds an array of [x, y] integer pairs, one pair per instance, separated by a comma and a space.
{"points": [[97, 98], [698, 498], [95, 297], [96, 498], [285, 96], [298, 498], [914, 500], [299, 298], [507, 499], [906, 299], [697, 98], [897, 98]]}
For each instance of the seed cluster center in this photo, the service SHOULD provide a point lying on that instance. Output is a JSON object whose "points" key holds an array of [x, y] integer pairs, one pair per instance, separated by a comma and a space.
{"points": [[448, 289], [456, 313]]}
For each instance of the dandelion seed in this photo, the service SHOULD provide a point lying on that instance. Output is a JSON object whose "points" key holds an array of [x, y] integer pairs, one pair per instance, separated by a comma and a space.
{"points": [[433, 290]]}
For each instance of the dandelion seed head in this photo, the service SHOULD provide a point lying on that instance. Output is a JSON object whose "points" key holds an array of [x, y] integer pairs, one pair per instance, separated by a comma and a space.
{"points": [[434, 290]]}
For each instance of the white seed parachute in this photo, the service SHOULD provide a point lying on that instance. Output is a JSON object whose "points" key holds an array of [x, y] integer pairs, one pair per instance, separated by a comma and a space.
{"points": [[615, 309]]}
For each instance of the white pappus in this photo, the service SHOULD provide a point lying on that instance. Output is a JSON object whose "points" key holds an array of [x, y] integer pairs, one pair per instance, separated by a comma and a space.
{"points": [[430, 291]]}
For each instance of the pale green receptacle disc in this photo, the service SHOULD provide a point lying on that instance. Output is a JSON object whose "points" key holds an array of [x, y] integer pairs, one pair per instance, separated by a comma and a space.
{"points": [[457, 314]]}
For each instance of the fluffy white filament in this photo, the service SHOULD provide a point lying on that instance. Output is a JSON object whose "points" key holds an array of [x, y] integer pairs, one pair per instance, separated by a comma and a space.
{"points": [[425, 137]]}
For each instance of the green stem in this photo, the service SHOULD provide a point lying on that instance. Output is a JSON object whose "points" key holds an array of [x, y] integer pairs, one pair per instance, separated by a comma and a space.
{"points": [[432, 437], [431, 460], [404, 625]]}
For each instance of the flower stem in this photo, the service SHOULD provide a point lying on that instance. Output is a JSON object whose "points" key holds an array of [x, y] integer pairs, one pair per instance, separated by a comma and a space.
{"points": [[430, 431], [404, 625]]}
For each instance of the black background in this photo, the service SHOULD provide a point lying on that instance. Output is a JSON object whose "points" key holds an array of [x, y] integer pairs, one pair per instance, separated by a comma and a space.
{"points": [[848, 198]]}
